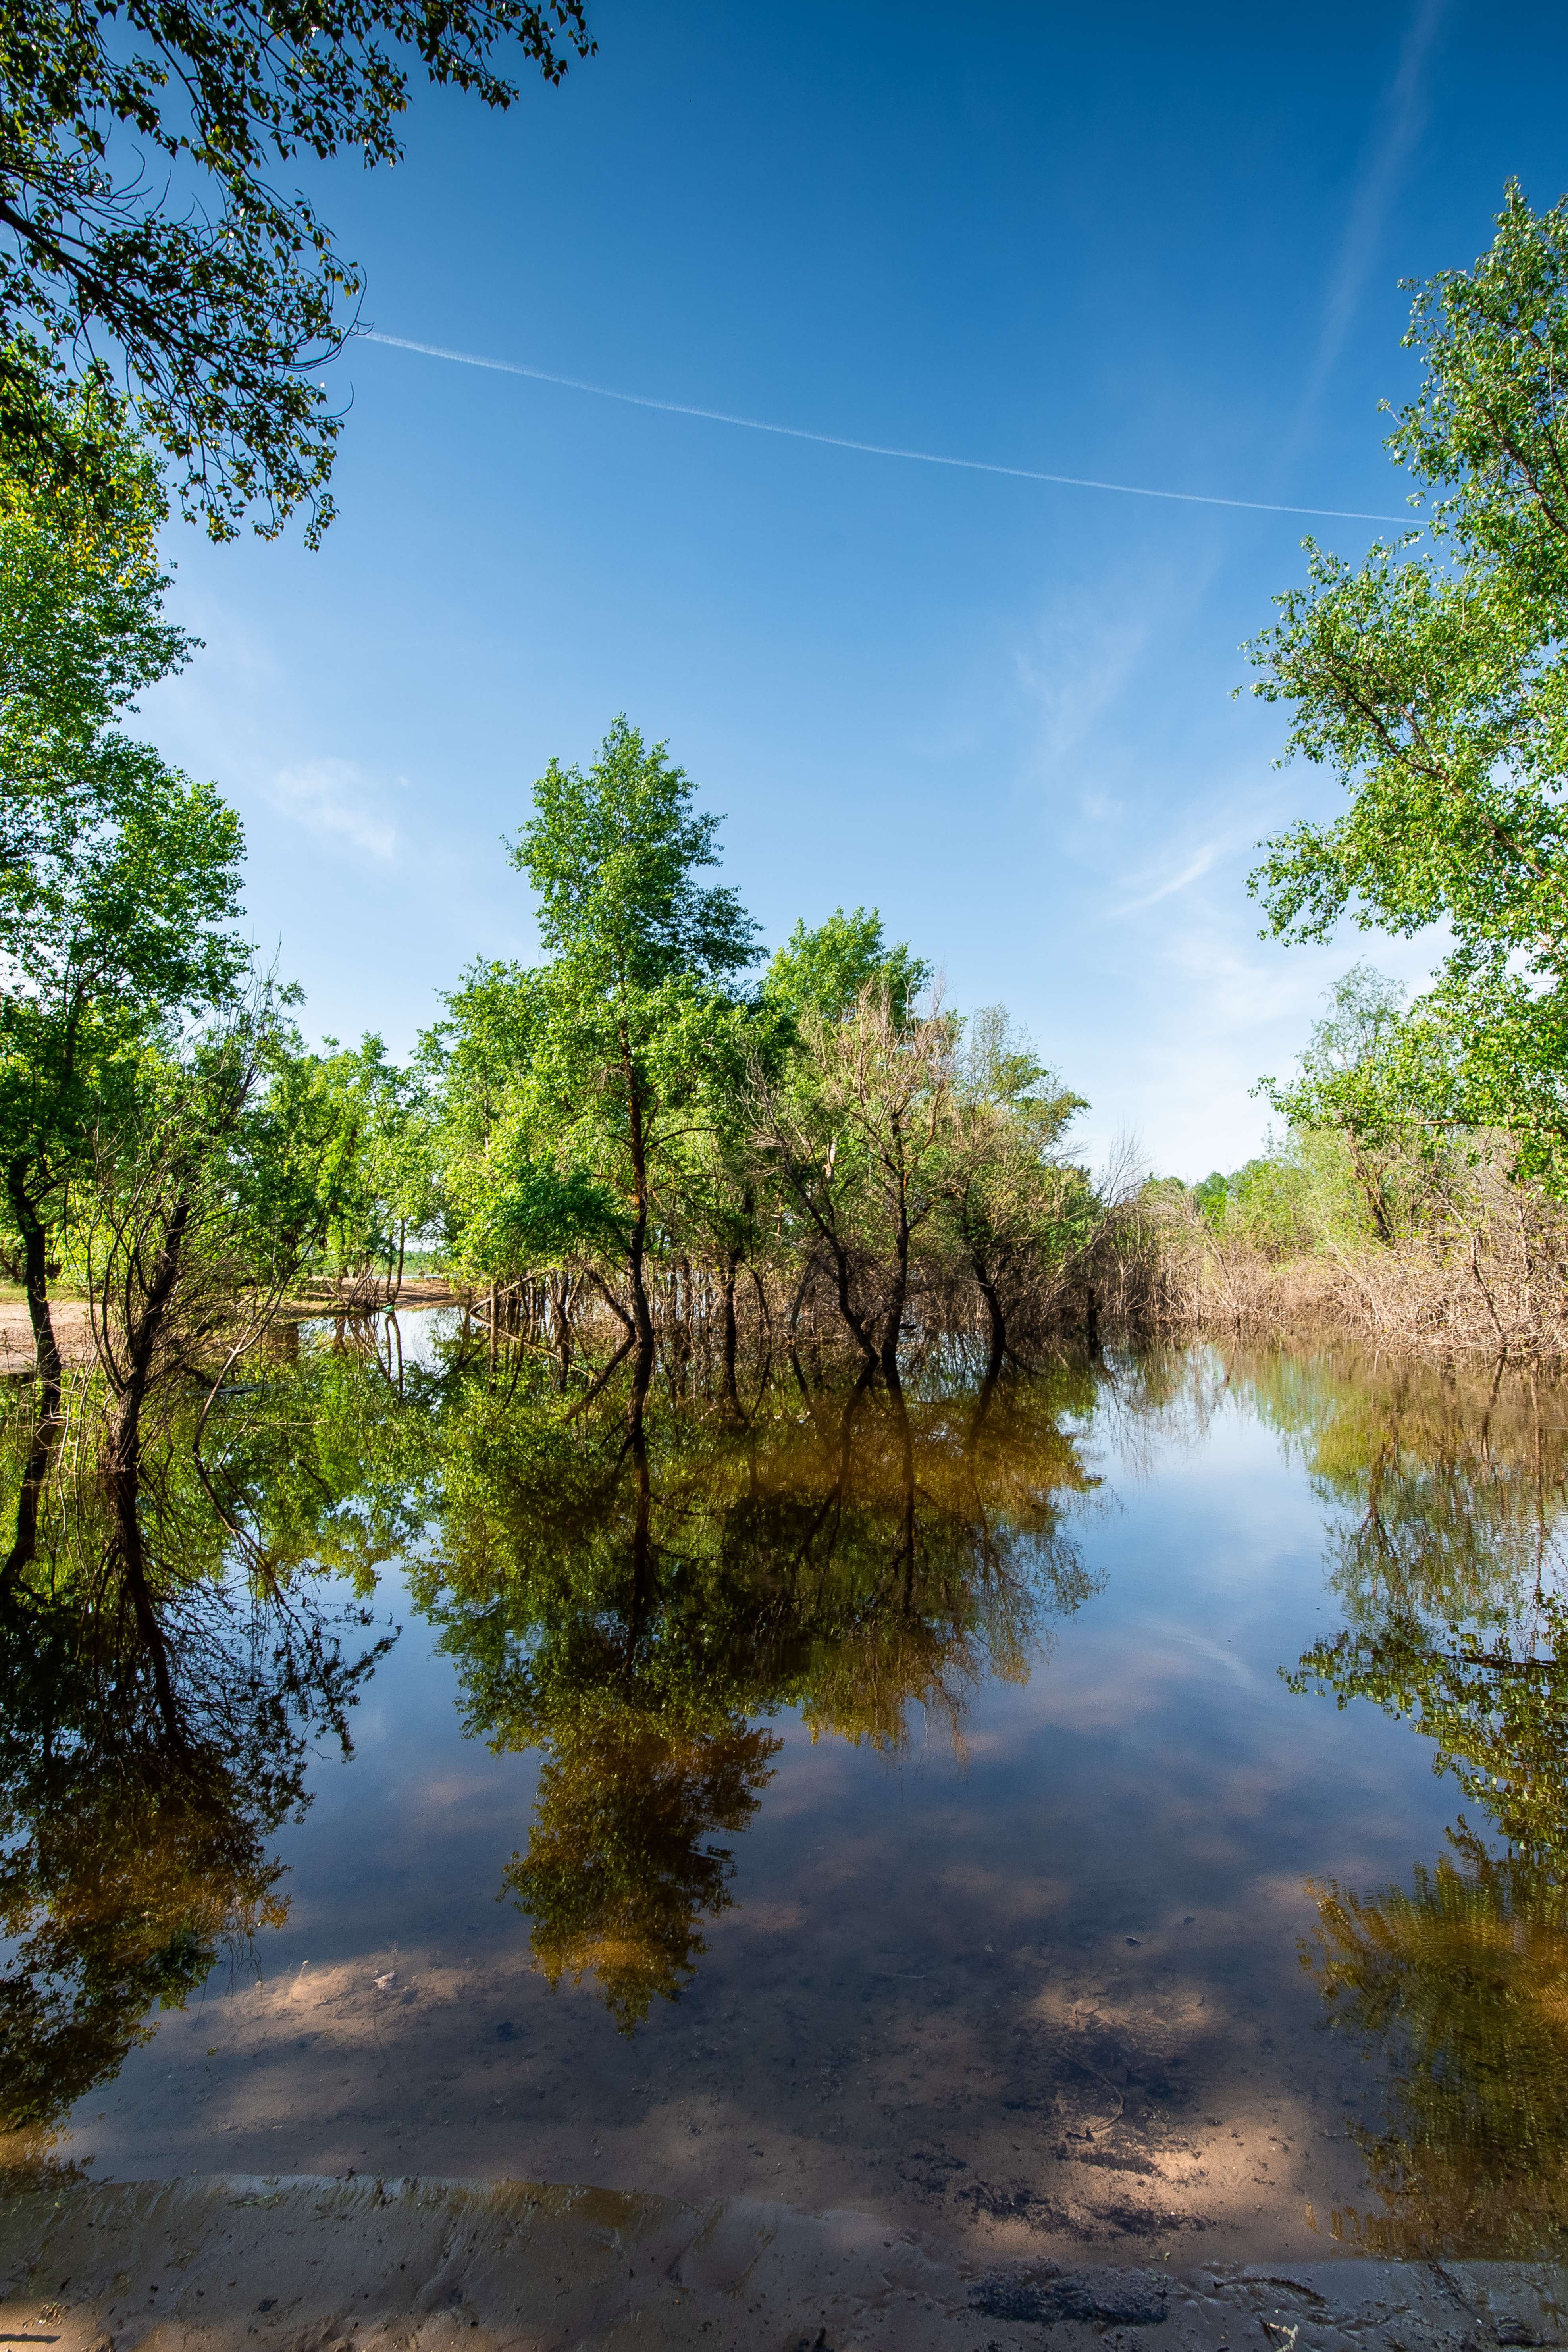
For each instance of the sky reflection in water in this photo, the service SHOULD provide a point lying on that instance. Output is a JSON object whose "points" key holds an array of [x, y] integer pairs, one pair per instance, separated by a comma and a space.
{"points": [[942, 1813]]}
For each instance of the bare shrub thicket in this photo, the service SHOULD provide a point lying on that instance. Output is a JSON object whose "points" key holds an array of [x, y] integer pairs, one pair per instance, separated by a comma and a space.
{"points": [[1482, 1271]]}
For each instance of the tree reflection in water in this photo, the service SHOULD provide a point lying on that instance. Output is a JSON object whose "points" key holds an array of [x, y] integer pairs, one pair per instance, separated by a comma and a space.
{"points": [[158, 1718], [638, 1586], [633, 1593], [1447, 1514]]}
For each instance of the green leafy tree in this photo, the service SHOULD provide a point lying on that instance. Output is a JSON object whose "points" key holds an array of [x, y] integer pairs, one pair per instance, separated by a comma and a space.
{"points": [[139, 216], [632, 1019], [1431, 679], [356, 1133], [1012, 1205], [119, 878], [1372, 1079], [823, 970], [850, 1121]]}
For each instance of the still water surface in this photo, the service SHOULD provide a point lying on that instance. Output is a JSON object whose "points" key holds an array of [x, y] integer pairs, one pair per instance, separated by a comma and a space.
{"points": [[1132, 1819]]}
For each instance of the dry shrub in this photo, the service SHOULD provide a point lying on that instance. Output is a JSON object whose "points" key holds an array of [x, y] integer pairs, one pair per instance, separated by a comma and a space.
{"points": [[1488, 1277]]}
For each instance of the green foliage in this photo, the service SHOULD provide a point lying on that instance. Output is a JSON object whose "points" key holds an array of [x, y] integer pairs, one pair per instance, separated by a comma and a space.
{"points": [[119, 878], [1012, 1204], [613, 857], [348, 1144], [1298, 1197], [1432, 681], [531, 1216], [1212, 1197], [582, 1091], [825, 970], [119, 123], [625, 1110]]}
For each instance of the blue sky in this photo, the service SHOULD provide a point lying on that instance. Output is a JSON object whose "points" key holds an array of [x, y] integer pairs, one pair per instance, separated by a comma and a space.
{"points": [[1160, 247]]}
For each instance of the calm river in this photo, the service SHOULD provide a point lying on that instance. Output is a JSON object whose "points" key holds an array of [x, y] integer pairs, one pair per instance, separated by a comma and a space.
{"points": [[1128, 1812]]}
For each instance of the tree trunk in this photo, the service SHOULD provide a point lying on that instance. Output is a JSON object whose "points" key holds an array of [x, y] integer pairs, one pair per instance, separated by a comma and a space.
{"points": [[732, 1269], [993, 1314], [35, 1272], [840, 1256], [893, 1328], [642, 1317], [49, 1424]]}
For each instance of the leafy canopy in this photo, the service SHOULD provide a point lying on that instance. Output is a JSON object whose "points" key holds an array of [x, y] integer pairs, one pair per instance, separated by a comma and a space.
{"points": [[119, 878], [613, 855], [139, 217], [1432, 680], [825, 970]]}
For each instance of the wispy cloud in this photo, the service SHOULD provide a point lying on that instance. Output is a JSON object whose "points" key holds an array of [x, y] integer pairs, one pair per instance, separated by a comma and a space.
{"points": [[1193, 871], [1074, 666], [335, 800], [1390, 144]]}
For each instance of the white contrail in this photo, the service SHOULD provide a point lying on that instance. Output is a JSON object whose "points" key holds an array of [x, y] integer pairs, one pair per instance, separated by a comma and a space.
{"points": [[869, 449]]}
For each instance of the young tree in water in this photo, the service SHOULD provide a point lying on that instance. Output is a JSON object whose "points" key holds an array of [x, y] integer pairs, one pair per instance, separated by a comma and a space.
{"points": [[847, 1121], [1432, 680], [632, 1010]]}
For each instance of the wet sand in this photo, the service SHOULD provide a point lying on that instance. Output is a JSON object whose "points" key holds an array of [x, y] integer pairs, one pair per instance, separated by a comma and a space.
{"points": [[72, 1335], [281, 2265], [1163, 2097]]}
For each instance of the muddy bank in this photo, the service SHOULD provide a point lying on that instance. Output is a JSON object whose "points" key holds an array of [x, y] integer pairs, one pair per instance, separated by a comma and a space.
{"points": [[317, 2266]]}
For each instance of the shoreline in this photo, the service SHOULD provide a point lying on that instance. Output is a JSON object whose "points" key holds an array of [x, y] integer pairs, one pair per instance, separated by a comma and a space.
{"points": [[74, 1334], [308, 2263]]}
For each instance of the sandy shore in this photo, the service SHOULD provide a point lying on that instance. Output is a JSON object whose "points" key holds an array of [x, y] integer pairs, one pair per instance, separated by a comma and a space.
{"points": [[72, 1332], [321, 2266], [75, 1337]]}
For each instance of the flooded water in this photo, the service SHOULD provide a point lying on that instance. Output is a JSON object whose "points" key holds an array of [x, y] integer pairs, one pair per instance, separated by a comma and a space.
{"points": [[1128, 1811]]}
